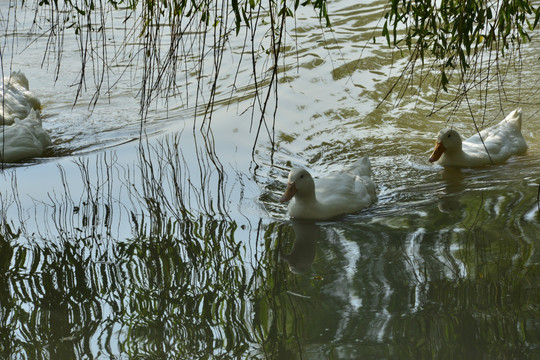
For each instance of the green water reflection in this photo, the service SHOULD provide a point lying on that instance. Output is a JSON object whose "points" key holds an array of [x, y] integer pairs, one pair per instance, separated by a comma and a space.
{"points": [[420, 281]]}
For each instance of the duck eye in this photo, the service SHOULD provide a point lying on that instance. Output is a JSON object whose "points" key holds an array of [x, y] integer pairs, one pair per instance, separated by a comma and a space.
{"points": [[449, 135], [301, 176]]}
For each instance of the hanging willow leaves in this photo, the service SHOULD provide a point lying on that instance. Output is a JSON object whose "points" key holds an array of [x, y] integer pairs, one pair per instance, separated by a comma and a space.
{"points": [[452, 35], [453, 29]]}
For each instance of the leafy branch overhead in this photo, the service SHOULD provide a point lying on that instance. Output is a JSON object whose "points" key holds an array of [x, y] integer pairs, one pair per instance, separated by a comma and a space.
{"points": [[453, 34], [166, 30], [453, 31]]}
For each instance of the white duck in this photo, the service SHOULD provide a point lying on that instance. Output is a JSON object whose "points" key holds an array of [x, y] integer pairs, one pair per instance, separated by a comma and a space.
{"points": [[17, 100], [501, 141], [23, 139], [21, 133], [340, 193]]}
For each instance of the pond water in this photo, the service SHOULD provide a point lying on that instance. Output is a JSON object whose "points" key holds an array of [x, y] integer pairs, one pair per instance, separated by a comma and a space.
{"points": [[177, 246]]}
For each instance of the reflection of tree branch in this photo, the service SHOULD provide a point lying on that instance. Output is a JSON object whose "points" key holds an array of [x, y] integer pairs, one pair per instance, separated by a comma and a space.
{"points": [[178, 283], [279, 313], [181, 194]]}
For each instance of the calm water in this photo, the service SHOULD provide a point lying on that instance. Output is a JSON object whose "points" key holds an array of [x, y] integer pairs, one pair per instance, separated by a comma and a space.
{"points": [[179, 248]]}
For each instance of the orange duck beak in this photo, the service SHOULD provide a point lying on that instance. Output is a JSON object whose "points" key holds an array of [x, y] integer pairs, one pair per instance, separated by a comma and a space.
{"points": [[437, 153], [289, 193]]}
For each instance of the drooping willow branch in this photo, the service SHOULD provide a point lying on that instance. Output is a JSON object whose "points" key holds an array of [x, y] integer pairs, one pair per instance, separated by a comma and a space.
{"points": [[171, 43], [465, 41]]}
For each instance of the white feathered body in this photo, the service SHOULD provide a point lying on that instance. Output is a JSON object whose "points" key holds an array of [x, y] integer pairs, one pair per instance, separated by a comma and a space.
{"points": [[21, 133], [17, 101], [336, 194], [500, 142], [23, 139]]}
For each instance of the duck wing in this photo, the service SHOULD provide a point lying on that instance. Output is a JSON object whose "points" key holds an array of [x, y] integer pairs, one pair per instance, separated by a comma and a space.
{"points": [[348, 191], [501, 141], [23, 139]]}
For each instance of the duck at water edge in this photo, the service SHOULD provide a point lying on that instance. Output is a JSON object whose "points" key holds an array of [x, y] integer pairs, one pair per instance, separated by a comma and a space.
{"points": [[21, 133]]}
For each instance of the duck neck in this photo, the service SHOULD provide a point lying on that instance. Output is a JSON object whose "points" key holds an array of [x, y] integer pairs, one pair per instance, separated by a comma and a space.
{"points": [[457, 157], [309, 199]]}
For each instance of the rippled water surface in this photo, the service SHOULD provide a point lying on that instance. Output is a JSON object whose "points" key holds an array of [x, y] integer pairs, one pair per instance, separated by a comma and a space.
{"points": [[179, 248]]}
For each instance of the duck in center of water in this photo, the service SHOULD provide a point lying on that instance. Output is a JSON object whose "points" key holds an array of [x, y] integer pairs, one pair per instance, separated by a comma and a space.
{"points": [[499, 143], [337, 194]]}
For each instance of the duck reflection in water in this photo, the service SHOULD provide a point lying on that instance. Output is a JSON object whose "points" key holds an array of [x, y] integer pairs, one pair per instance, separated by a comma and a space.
{"points": [[455, 186], [302, 255]]}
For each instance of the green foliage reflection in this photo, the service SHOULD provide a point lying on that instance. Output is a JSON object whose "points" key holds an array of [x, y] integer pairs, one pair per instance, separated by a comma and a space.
{"points": [[142, 262]]}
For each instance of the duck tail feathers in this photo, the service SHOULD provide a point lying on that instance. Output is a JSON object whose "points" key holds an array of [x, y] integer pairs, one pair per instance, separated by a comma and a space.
{"points": [[515, 117], [361, 167], [17, 77]]}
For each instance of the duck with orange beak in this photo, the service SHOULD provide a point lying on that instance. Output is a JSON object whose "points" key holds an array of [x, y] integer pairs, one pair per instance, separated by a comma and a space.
{"points": [[338, 193], [490, 146]]}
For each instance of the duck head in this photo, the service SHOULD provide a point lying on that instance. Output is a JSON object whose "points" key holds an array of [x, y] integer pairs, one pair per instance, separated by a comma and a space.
{"points": [[300, 183], [449, 141]]}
